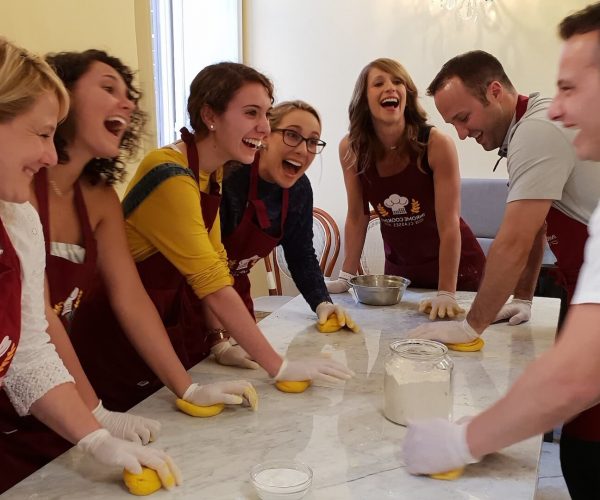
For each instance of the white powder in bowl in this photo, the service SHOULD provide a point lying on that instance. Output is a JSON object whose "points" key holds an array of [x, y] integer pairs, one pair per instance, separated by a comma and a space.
{"points": [[279, 478]]}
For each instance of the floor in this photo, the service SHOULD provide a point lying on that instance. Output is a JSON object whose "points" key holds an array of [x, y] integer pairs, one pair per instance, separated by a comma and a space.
{"points": [[551, 485]]}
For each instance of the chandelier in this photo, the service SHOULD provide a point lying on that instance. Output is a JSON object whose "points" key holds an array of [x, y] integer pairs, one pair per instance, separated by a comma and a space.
{"points": [[469, 10]]}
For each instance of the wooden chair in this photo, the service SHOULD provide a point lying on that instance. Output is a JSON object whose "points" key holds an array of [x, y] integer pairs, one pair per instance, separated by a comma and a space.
{"points": [[326, 242], [372, 257]]}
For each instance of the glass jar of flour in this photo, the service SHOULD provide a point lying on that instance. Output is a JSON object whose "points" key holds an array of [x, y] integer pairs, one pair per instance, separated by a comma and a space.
{"points": [[418, 381]]}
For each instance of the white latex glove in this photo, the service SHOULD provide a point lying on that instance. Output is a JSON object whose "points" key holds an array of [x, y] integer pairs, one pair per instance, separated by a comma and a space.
{"points": [[116, 452], [134, 428], [448, 332], [444, 304], [313, 369], [232, 355], [326, 309], [516, 311], [434, 446], [340, 285], [229, 392]]}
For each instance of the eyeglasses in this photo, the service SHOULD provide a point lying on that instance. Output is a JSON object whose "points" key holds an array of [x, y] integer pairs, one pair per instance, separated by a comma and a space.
{"points": [[292, 138]]}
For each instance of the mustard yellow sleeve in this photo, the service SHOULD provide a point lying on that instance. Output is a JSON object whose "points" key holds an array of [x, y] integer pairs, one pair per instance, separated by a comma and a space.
{"points": [[170, 219]]}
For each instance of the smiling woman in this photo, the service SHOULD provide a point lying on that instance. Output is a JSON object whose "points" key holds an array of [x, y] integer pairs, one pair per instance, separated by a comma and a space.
{"points": [[408, 171], [270, 202]]}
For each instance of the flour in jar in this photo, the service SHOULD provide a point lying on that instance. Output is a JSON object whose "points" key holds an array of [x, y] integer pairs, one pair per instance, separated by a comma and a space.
{"points": [[410, 393]]}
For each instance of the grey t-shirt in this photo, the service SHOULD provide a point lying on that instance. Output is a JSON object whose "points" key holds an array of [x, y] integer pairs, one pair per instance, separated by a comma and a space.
{"points": [[542, 164]]}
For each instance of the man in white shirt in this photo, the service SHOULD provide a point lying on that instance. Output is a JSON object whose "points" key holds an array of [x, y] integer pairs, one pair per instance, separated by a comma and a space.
{"points": [[566, 379]]}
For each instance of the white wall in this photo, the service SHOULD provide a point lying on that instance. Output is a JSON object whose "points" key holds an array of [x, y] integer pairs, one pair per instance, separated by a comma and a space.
{"points": [[315, 49]]}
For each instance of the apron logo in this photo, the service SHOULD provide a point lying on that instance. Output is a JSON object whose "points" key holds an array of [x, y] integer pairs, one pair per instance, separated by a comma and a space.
{"points": [[67, 307], [396, 203], [8, 348], [415, 206], [400, 206], [243, 266]]}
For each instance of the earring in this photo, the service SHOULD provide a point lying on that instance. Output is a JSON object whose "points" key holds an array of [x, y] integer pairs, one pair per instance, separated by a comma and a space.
{"points": [[212, 127]]}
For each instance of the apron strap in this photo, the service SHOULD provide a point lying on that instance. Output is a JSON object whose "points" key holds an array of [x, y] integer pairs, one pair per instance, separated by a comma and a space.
{"points": [[150, 182], [259, 205], [89, 241]]}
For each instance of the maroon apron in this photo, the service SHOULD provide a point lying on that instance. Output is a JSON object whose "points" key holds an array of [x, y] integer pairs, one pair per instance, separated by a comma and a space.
{"points": [[119, 375], [28, 441], [10, 298], [566, 238], [248, 243], [405, 204]]}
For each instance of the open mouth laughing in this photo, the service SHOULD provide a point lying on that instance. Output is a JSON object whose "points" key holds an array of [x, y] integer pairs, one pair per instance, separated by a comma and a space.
{"points": [[291, 167], [116, 125], [390, 102], [252, 143]]}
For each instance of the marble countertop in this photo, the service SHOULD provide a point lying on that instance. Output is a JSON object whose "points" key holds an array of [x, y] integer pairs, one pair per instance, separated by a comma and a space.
{"points": [[340, 432]]}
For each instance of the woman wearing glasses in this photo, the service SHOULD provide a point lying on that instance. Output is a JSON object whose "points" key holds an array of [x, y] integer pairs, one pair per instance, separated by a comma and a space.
{"points": [[408, 172], [270, 203]]}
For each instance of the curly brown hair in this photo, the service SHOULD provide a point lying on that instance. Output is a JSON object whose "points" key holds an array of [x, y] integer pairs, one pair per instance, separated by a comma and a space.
{"points": [[362, 140], [70, 67]]}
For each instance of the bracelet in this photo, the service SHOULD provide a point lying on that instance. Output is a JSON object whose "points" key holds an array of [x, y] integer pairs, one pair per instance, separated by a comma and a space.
{"points": [[216, 335]]}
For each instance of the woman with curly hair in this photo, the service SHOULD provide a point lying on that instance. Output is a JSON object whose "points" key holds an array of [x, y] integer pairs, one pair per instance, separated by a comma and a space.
{"points": [[84, 233], [408, 171], [32, 100]]}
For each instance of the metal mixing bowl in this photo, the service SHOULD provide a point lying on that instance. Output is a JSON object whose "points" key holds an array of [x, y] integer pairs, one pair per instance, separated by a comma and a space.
{"points": [[379, 289]]}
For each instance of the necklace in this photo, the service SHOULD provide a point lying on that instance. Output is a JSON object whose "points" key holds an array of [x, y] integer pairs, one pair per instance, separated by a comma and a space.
{"points": [[56, 189]]}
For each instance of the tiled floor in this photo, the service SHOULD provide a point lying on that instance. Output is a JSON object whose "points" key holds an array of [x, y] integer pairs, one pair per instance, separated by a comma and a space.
{"points": [[551, 485]]}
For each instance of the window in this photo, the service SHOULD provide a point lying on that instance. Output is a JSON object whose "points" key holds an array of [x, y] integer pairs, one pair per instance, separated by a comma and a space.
{"points": [[187, 36]]}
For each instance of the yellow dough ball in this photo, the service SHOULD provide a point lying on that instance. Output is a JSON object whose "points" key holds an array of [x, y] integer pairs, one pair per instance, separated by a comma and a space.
{"points": [[451, 475], [145, 483], [330, 326], [476, 345], [251, 396], [199, 411], [292, 386]]}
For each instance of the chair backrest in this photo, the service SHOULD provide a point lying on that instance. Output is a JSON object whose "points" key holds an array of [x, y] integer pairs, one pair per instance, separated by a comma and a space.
{"points": [[326, 242], [372, 257], [482, 207]]}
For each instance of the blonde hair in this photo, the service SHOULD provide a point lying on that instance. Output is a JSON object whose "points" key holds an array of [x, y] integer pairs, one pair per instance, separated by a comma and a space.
{"points": [[363, 142], [23, 78], [276, 113]]}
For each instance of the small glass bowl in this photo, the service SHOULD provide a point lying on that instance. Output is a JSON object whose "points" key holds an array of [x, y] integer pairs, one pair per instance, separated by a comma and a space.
{"points": [[281, 479]]}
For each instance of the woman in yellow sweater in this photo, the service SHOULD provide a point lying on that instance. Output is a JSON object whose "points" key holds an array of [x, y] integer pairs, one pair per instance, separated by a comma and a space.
{"points": [[173, 230]]}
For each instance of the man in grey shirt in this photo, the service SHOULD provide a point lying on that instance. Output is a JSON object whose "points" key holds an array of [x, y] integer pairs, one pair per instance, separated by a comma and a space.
{"points": [[547, 183], [565, 380]]}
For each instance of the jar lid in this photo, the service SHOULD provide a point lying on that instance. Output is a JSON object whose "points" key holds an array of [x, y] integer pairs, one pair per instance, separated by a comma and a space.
{"points": [[419, 349]]}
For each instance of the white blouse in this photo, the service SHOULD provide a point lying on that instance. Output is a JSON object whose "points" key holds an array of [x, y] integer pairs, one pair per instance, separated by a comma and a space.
{"points": [[36, 367]]}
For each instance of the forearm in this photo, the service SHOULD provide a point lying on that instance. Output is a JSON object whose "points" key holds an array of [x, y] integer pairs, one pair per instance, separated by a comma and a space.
{"points": [[65, 413], [449, 259], [145, 330], [505, 263], [64, 348], [229, 308], [559, 385], [355, 231], [525, 287]]}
